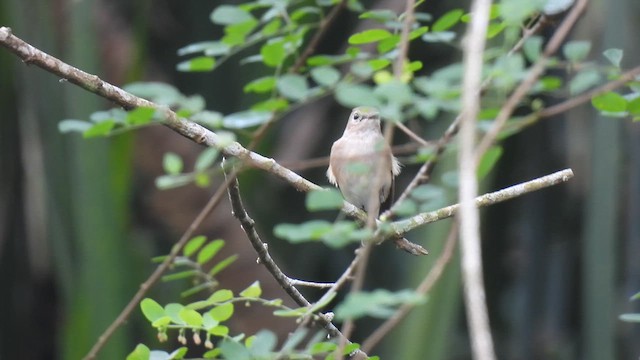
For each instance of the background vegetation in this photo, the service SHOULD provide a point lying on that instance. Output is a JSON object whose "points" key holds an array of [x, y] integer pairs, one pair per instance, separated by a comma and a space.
{"points": [[81, 219]]}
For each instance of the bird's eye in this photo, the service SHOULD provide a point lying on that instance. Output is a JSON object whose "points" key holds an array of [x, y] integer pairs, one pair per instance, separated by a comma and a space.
{"points": [[357, 117]]}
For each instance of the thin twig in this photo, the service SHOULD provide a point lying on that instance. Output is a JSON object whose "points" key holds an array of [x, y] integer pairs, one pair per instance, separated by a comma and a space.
{"points": [[155, 276], [568, 104], [532, 76], [425, 286], [313, 284], [400, 228]]}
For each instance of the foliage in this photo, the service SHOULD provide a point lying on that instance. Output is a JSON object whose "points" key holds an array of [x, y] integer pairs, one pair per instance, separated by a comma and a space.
{"points": [[361, 75]]}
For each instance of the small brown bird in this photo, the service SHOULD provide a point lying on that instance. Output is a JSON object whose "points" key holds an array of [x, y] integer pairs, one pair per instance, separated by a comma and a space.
{"points": [[359, 157]]}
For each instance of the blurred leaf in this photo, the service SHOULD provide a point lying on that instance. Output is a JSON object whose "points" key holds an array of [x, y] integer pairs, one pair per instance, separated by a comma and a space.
{"points": [[178, 353], [222, 312], [219, 330], [165, 182], [378, 303], [201, 63], [72, 125], [253, 291], [576, 51], [448, 20], [173, 311], [325, 75], [99, 129], [179, 275], [635, 296], [488, 161], [395, 92], [610, 102], [277, 104], [140, 115], [191, 317], [236, 34], [378, 64], [273, 53], [554, 7], [161, 322], [547, 83], [222, 265], [515, 12], [381, 15], [151, 309], [369, 36], [272, 27], [172, 163], [211, 119], [210, 250], [260, 85], [323, 347], [630, 317], [325, 199], [141, 352], [206, 159], [245, 119], [441, 36], [229, 14], [354, 95], [416, 33], [210, 48], [614, 56], [263, 343], [221, 295], [234, 350], [633, 107], [388, 44], [193, 245], [584, 80], [532, 48], [495, 29], [293, 86]]}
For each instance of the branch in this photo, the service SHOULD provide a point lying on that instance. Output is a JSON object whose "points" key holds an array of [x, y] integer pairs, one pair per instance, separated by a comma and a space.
{"points": [[400, 228], [534, 73], [470, 240], [247, 224], [425, 286], [155, 276]]}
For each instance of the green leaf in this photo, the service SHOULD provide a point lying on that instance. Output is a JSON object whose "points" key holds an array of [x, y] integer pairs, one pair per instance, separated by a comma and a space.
{"points": [[172, 163], [173, 311], [354, 95], [271, 27], [448, 20], [325, 75], [633, 107], [206, 159], [161, 322], [221, 295], [140, 115], [325, 199], [439, 37], [151, 309], [141, 352], [630, 317], [157, 92], [207, 322], [219, 330], [635, 296], [609, 102], [210, 48], [488, 161], [245, 119], [193, 245], [260, 85], [576, 51], [236, 34], [293, 86], [178, 353], [369, 36], [614, 56], [515, 12], [381, 15], [165, 182], [234, 350], [100, 129], [379, 303], [191, 317], [263, 344], [584, 80], [211, 119], [229, 14], [179, 275], [253, 291], [209, 251], [532, 48], [271, 105], [72, 125], [323, 347], [395, 92], [200, 63], [273, 53], [416, 33], [222, 312], [378, 64], [388, 44], [222, 265]]}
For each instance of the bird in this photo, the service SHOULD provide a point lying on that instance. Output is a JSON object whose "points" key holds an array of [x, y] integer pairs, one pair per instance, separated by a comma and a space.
{"points": [[361, 163]]}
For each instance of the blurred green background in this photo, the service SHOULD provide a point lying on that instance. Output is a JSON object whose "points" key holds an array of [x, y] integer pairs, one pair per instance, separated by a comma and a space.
{"points": [[79, 220]]}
